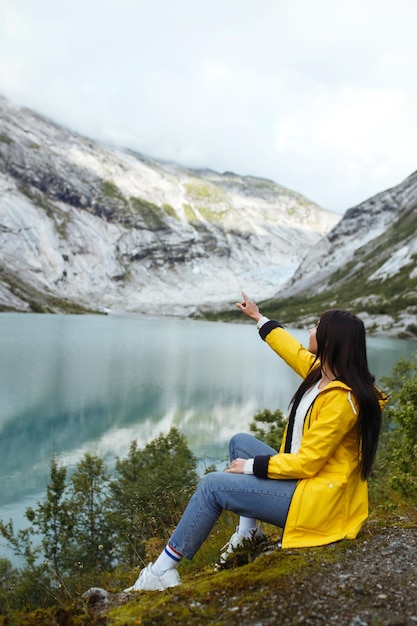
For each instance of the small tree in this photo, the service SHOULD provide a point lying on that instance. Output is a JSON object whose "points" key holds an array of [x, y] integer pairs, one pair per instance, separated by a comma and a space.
{"points": [[150, 492], [90, 544], [53, 518], [39, 583], [273, 431], [52, 522], [72, 522], [8, 576]]}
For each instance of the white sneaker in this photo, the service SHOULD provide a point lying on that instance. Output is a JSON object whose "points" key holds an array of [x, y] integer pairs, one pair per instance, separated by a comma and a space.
{"points": [[257, 535], [148, 581]]}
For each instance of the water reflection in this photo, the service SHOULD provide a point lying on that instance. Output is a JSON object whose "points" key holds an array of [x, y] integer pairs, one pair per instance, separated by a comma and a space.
{"points": [[75, 383]]}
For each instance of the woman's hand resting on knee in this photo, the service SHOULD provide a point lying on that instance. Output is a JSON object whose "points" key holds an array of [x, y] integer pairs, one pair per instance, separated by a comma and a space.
{"points": [[236, 466]]}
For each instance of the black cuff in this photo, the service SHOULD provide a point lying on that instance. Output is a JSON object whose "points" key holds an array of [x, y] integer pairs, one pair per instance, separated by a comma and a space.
{"points": [[260, 465], [267, 327]]}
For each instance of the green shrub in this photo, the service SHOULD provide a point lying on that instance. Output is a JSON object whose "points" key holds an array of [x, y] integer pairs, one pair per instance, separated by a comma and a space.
{"points": [[395, 474], [273, 430], [150, 492], [88, 525]]}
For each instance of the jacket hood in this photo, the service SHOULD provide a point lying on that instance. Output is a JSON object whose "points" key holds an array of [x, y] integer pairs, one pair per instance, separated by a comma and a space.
{"points": [[383, 398]]}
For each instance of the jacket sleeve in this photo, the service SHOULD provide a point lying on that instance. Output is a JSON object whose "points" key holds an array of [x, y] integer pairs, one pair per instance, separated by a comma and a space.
{"points": [[288, 348], [336, 416]]}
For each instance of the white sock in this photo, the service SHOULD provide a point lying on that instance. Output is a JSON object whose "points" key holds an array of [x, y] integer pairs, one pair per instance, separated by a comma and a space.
{"points": [[246, 526], [168, 559]]}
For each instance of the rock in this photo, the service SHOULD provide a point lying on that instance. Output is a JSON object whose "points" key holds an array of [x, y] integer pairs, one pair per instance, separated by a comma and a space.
{"points": [[100, 601]]}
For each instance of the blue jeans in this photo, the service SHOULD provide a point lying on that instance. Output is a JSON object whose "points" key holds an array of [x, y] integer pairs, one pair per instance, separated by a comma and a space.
{"points": [[267, 500]]}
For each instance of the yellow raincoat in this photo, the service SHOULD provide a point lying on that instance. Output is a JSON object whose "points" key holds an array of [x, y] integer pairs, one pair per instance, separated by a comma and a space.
{"points": [[330, 501]]}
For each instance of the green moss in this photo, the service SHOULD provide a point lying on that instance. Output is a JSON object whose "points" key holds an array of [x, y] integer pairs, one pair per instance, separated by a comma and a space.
{"points": [[41, 200], [111, 190], [5, 139], [225, 597], [196, 219], [67, 306], [169, 210], [41, 302], [210, 215], [153, 216], [190, 214], [36, 307], [51, 304], [205, 197], [202, 191]]}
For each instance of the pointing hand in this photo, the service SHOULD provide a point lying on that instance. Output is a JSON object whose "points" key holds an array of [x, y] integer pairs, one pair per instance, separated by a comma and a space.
{"points": [[249, 308]]}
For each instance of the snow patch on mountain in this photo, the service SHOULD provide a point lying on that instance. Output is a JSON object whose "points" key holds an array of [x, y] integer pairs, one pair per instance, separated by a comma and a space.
{"points": [[398, 260]]}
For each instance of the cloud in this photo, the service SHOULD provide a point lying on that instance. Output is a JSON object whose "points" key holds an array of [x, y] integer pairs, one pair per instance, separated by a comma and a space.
{"points": [[320, 96]]}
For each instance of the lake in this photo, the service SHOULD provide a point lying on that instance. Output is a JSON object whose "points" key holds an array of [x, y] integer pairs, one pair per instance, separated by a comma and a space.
{"points": [[71, 384]]}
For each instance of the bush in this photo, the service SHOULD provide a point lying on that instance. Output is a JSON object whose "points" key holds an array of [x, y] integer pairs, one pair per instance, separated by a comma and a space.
{"points": [[273, 431], [150, 492], [90, 524], [395, 473]]}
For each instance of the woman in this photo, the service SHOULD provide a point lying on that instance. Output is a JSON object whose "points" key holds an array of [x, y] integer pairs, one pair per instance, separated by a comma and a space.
{"points": [[315, 487]]}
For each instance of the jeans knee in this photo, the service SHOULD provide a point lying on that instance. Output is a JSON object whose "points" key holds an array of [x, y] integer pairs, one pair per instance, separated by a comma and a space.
{"points": [[235, 443], [240, 445]]}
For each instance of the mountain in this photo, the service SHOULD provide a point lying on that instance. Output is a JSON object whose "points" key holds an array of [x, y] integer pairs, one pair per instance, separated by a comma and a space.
{"points": [[366, 264], [85, 226]]}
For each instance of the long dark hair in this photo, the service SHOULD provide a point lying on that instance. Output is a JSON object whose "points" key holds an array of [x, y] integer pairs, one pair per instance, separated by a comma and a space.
{"points": [[341, 347]]}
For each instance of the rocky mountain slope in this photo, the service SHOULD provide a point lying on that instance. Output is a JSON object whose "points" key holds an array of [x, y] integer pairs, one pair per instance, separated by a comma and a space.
{"points": [[88, 226], [367, 263]]}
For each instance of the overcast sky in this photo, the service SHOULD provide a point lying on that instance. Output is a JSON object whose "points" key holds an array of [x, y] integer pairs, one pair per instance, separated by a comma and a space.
{"points": [[318, 95]]}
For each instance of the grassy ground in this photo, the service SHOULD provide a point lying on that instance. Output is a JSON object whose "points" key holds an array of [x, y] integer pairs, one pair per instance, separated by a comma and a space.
{"points": [[369, 581]]}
